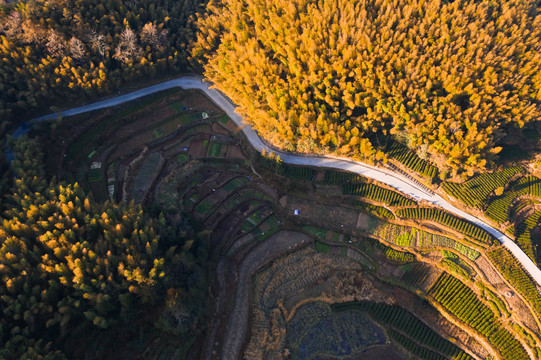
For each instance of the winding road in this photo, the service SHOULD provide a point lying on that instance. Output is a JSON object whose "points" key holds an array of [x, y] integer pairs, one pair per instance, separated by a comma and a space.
{"points": [[391, 178]]}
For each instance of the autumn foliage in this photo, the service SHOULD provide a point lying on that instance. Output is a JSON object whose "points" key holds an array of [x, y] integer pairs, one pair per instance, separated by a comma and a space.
{"points": [[68, 261], [449, 77], [53, 51]]}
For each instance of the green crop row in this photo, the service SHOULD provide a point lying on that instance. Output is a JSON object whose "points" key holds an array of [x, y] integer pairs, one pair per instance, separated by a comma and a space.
{"points": [[462, 302], [95, 175], [491, 297], [372, 209], [335, 177], [508, 345], [513, 272], [374, 192], [427, 239], [511, 153], [397, 234], [454, 268], [523, 233], [475, 192], [405, 322], [498, 208], [412, 347], [415, 274], [463, 226], [411, 160], [396, 255], [534, 186], [520, 206], [402, 235], [298, 173]]}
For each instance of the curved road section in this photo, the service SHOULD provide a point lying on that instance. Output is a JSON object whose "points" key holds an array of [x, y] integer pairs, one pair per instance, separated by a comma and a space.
{"points": [[393, 179]]}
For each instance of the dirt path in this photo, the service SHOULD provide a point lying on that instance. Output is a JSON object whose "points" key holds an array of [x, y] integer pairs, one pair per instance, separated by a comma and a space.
{"points": [[237, 323]]}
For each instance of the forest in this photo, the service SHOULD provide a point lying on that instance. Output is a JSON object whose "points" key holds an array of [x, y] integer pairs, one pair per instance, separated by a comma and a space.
{"points": [[447, 79], [70, 265], [434, 87], [53, 51]]}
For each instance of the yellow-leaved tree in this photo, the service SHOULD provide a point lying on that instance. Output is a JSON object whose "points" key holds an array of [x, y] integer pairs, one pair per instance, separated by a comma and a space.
{"points": [[450, 76]]}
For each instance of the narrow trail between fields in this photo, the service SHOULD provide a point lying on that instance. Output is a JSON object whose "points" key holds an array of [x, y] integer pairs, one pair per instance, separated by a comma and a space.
{"points": [[237, 324], [386, 176]]}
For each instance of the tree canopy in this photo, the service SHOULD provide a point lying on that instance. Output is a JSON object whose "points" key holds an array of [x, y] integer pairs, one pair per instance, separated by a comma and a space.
{"points": [[450, 77], [66, 260], [67, 49]]}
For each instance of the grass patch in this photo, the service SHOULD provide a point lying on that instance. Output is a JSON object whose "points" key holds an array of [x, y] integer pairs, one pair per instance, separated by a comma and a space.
{"points": [[235, 183], [181, 158], [184, 119], [158, 133], [178, 107], [255, 217], [266, 228], [95, 175], [214, 149], [203, 207], [169, 126], [322, 247], [224, 119], [316, 231], [196, 116]]}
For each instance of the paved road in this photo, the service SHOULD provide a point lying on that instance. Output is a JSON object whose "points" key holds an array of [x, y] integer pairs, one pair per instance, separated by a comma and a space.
{"points": [[393, 179]]}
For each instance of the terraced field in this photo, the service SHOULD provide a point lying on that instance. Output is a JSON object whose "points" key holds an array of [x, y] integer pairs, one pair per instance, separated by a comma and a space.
{"points": [[158, 153], [475, 192], [516, 208], [462, 226], [410, 160], [396, 178], [462, 302], [322, 289], [379, 194]]}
